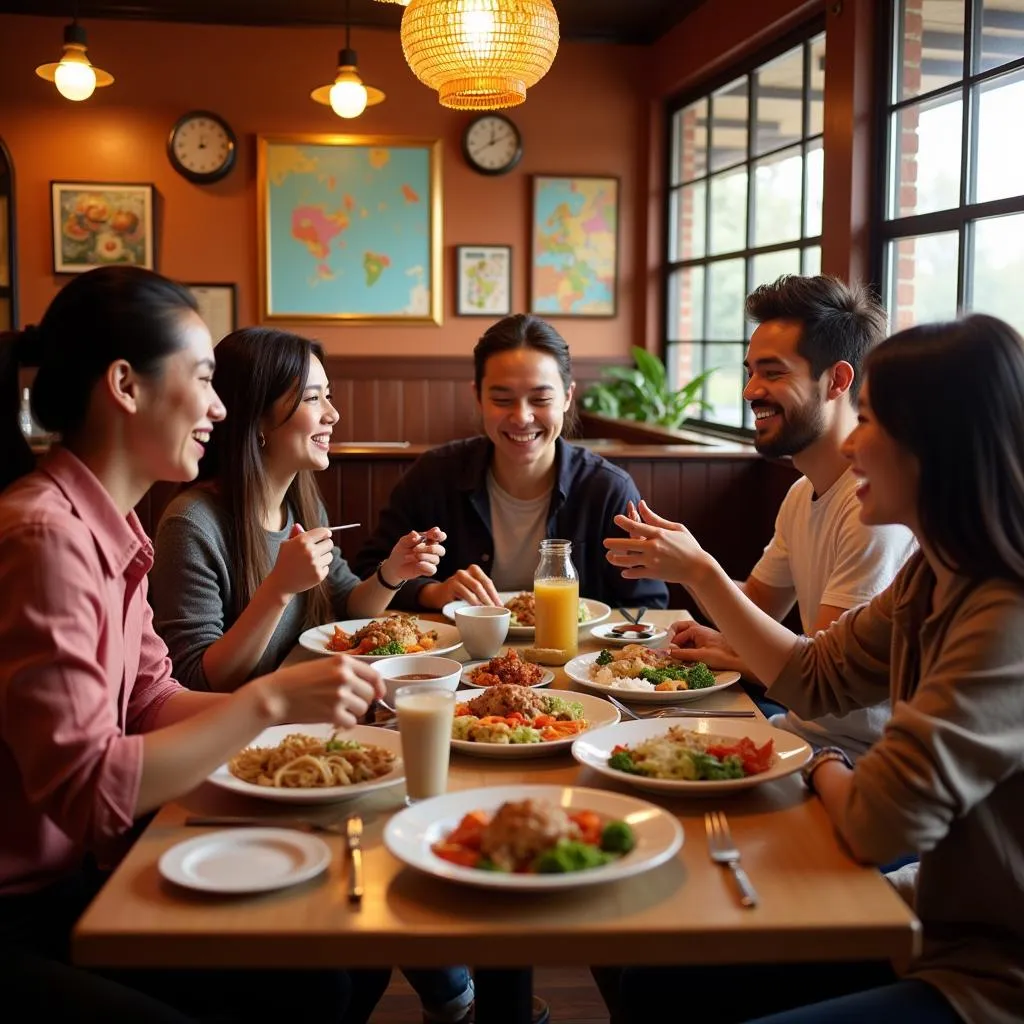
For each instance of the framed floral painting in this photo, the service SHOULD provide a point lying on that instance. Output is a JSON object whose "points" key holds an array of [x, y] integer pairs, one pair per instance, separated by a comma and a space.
{"points": [[97, 224]]}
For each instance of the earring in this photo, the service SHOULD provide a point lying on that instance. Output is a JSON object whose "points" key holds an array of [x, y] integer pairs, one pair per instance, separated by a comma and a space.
{"points": [[261, 440]]}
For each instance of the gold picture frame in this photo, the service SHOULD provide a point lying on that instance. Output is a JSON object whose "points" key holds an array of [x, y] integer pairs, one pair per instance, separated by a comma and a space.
{"points": [[349, 229]]}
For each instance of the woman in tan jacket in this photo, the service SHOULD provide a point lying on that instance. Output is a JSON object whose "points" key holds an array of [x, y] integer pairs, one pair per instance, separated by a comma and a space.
{"points": [[938, 449]]}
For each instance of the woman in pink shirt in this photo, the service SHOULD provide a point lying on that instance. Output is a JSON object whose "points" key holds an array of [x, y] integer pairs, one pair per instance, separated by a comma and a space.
{"points": [[95, 734]]}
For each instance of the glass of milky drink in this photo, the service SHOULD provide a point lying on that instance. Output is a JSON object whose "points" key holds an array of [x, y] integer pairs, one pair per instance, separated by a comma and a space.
{"points": [[425, 715]]}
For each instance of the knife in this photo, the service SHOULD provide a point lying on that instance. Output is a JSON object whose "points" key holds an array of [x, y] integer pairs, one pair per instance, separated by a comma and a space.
{"points": [[353, 835]]}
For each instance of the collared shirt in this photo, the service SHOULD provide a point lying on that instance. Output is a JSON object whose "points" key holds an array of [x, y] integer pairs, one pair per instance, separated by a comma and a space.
{"points": [[82, 673], [447, 487]]}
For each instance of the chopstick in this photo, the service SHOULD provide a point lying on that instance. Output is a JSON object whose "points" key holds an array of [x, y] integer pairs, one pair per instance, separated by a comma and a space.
{"points": [[346, 526]]}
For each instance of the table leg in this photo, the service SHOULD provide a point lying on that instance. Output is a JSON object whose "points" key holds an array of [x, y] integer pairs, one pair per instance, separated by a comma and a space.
{"points": [[504, 995]]}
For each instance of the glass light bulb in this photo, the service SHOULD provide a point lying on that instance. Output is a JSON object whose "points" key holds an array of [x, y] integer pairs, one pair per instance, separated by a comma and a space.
{"points": [[477, 33], [75, 80], [348, 97]]}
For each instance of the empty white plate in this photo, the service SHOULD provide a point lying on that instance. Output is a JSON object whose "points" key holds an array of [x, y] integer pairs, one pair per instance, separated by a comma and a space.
{"points": [[245, 860]]}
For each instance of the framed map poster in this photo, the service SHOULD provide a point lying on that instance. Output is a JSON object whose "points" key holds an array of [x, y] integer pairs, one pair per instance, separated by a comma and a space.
{"points": [[349, 229], [574, 246], [484, 275]]}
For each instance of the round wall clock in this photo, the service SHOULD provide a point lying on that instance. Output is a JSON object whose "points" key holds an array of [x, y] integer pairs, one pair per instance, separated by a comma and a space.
{"points": [[202, 147], [492, 144]]}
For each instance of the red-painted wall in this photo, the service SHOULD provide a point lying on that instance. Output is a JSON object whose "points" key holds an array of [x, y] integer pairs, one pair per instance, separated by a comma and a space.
{"points": [[589, 115]]}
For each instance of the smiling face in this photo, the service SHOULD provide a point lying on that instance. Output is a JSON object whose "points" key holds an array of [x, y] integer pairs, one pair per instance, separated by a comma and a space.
{"points": [[889, 474], [523, 404], [179, 407], [301, 440]]}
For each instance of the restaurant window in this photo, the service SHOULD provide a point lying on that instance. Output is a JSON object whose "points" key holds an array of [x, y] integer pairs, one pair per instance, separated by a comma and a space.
{"points": [[952, 216], [744, 206]]}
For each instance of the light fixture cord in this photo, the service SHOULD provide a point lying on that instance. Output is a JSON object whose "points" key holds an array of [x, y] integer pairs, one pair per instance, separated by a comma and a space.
{"points": [[348, 23]]}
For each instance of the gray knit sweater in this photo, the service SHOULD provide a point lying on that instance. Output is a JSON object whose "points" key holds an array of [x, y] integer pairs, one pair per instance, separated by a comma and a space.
{"points": [[191, 586]]}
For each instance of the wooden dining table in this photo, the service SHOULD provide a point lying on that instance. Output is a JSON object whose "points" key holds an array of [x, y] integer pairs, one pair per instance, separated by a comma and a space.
{"points": [[816, 904]]}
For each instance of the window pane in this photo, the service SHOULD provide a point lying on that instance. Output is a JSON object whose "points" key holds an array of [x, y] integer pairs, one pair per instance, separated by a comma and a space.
{"points": [[812, 260], [926, 157], [922, 279], [689, 222], [684, 363], [815, 170], [1002, 33], [729, 211], [729, 125], [779, 90], [690, 142], [725, 387], [932, 45], [816, 100], [778, 194], [999, 268], [726, 294], [1000, 167], [686, 304], [770, 265]]}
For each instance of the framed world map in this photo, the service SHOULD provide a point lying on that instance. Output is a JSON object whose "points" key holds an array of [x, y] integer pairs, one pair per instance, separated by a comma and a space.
{"points": [[349, 228], [574, 246]]}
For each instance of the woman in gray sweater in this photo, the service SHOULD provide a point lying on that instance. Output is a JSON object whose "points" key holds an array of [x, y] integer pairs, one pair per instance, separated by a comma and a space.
{"points": [[937, 448], [244, 562]]}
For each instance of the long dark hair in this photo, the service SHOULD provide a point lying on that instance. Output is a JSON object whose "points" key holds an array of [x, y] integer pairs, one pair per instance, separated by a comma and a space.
{"points": [[523, 330], [257, 366], [101, 316], [953, 395]]}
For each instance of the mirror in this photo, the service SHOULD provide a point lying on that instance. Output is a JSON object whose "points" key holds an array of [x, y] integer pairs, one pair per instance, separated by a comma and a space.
{"points": [[8, 274]]}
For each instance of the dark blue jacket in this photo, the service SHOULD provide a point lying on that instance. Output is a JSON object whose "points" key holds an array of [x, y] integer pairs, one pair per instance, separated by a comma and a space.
{"points": [[447, 487]]}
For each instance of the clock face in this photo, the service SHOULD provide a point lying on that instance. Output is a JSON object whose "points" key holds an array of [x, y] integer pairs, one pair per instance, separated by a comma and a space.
{"points": [[202, 147], [492, 144]]}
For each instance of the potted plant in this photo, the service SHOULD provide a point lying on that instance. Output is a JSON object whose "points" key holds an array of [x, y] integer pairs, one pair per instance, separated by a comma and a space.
{"points": [[642, 393]]}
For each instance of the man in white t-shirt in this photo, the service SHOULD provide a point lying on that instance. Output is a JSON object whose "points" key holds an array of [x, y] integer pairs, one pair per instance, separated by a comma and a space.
{"points": [[803, 365]]}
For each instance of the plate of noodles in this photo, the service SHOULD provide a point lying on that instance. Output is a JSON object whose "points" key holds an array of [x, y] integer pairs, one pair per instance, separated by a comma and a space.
{"points": [[314, 764], [521, 604], [385, 636]]}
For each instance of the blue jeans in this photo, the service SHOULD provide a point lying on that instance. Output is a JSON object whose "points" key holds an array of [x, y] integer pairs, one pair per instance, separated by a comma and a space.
{"points": [[445, 992], [897, 1003]]}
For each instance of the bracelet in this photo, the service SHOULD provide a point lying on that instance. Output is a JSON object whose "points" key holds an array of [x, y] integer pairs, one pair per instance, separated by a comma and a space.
{"points": [[823, 755], [384, 583]]}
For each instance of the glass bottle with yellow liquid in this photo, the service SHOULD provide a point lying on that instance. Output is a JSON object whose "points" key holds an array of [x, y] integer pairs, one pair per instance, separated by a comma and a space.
{"points": [[556, 592]]}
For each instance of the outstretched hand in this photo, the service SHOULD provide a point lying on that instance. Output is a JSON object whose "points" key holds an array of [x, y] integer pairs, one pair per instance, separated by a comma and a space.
{"points": [[656, 548]]}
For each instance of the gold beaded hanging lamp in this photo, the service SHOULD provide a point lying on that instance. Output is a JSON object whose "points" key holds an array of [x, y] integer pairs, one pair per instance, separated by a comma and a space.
{"points": [[480, 54]]}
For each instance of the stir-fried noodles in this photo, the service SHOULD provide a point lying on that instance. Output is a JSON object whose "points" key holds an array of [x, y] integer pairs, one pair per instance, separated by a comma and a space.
{"points": [[302, 762]]}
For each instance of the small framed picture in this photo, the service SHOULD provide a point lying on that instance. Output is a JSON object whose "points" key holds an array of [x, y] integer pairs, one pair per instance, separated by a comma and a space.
{"points": [[484, 280], [218, 306], [97, 224]]}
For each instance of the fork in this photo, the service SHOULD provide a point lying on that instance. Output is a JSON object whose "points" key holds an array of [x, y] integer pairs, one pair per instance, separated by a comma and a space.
{"points": [[354, 835], [723, 851]]}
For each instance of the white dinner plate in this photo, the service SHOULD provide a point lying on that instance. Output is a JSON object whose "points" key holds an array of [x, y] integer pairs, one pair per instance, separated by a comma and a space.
{"points": [[594, 748], [328, 794], [315, 639], [578, 669], [471, 666], [245, 860], [597, 711], [410, 834], [605, 635], [599, 611]]}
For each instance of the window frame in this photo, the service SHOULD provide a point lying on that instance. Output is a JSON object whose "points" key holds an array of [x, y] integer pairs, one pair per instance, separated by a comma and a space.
{"points": [[799, 36], [961, 218]]}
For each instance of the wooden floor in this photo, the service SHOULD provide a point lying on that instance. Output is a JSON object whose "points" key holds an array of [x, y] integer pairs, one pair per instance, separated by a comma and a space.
{"points": [[570, 992]]}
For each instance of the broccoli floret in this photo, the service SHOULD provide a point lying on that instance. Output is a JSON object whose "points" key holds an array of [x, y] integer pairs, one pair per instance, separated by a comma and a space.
{"points": [[617, 837], [623, 762], [568, 855], [699, 676], [605, 657], [524, 734], [334, 745], [659, 675], [560, 708], [486, 864], [709, 767], [391, 647]]}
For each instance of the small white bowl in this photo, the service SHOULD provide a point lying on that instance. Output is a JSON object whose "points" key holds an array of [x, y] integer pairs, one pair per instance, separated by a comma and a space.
{"points": [[444, 672]]}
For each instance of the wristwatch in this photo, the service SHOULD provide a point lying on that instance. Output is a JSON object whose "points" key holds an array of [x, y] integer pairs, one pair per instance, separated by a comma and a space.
{"points": [[823, 755], [384, 583]]}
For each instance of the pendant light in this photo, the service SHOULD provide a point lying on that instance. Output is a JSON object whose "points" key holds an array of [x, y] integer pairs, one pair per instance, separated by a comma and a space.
{"points": [[480, 54], [75, 77], [347, 96]]}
